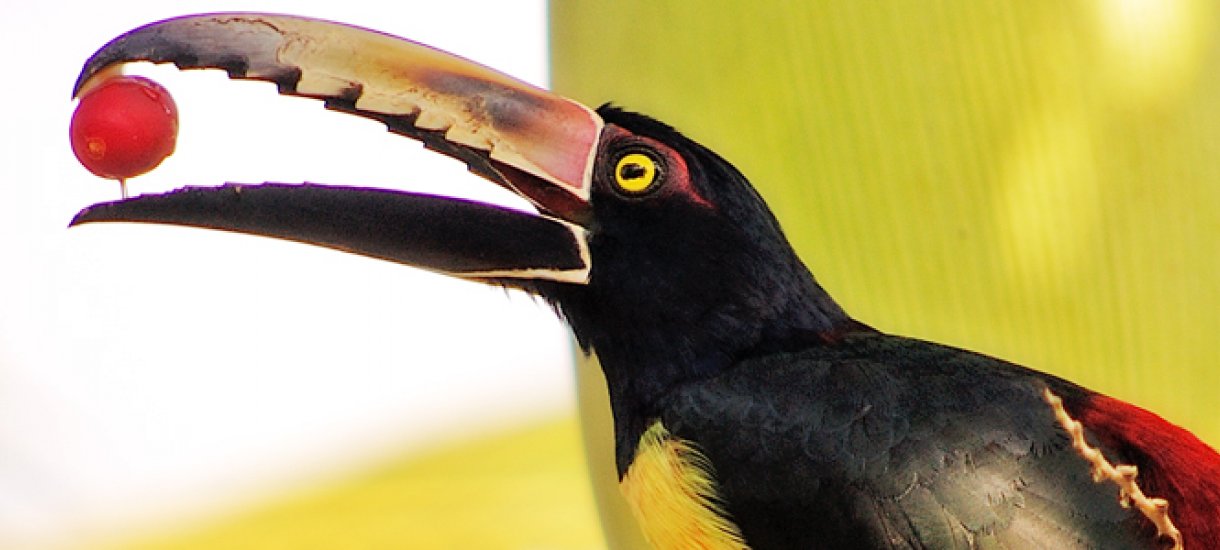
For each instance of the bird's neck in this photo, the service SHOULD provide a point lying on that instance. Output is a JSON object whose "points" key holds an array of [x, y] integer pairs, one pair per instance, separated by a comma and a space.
{"points": [[647, 352]]}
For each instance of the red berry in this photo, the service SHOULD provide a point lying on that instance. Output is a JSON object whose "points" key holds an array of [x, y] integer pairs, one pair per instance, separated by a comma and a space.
{"points": [[124, 127]]}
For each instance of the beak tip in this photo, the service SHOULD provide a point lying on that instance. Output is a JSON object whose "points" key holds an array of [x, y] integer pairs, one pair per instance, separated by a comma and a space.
{"points": [[99, 212], [81, 217]]}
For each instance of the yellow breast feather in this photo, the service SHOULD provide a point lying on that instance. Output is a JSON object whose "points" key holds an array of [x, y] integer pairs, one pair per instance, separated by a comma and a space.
{"points": [[671, 492]]}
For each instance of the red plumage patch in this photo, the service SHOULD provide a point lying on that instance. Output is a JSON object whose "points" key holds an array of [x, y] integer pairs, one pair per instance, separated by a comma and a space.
{"points": [[1173, 464]]}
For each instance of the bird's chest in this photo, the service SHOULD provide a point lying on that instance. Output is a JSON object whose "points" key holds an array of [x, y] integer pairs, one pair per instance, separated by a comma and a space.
{"points": [[674, 498]]}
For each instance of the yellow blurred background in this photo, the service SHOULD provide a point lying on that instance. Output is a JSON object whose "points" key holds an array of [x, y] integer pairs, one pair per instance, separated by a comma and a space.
{"points": [[521, 489], [1034, 179]]}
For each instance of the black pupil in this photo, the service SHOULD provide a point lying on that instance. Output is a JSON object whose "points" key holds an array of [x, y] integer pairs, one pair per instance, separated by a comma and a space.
{"points": [[632, 171]]}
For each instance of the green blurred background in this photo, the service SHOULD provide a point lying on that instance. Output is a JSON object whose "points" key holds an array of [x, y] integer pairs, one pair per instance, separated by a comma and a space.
{"points": [[1034, 179], [1037, 180]]}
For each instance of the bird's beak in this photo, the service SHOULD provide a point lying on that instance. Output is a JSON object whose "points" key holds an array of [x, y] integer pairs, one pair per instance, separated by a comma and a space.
{"points": [[537, 144]]}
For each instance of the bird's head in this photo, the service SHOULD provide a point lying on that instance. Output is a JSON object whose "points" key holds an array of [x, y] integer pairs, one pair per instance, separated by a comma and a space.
{"points": [[690, 269], [658, 252]]}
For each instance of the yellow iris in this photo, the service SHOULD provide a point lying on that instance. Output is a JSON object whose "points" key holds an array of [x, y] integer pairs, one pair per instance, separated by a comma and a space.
{"points": [[635, 172]]}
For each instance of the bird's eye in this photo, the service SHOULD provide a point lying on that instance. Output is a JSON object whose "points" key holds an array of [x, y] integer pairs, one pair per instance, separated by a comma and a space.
{"points": [[636, 173]]}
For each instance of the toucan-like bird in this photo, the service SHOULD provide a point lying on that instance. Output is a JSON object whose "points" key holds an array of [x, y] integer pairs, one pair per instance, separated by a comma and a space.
{"points": [[750, 411]]}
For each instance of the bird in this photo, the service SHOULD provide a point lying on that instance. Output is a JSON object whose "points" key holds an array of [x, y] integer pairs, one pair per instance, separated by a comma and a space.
{"points": [[750, 409]]}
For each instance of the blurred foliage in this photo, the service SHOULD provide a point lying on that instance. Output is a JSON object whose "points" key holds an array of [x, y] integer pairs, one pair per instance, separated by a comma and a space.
{"points": [[518, 490], [1037, 180]]}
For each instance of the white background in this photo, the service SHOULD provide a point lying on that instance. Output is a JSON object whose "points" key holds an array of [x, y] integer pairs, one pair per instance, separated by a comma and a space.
{"points": [[150, 373]]}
